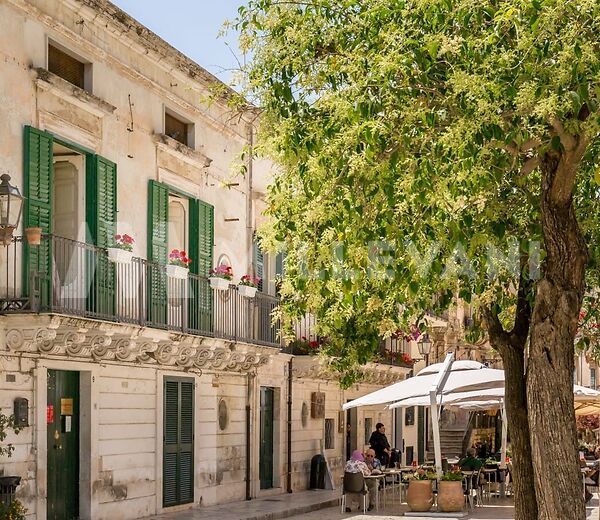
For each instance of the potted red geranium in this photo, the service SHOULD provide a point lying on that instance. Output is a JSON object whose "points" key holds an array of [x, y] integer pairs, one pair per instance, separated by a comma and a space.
{"points": [[121, 250], [220, 277], [179, 264], [248, 285]]}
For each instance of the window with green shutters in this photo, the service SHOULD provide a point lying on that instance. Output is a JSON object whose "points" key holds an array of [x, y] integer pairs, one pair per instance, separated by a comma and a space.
{"points": [[38, 164], [101, 213], [258, 261], [178, 441], [201, 233]]}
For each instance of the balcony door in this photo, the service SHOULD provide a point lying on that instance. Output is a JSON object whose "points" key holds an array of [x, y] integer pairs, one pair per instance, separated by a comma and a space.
{"points": [[65, 186]]}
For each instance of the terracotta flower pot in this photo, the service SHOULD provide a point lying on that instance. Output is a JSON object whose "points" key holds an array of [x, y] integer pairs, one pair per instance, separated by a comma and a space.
{"points": [[450, 496], [34, 235], [420, 495]]}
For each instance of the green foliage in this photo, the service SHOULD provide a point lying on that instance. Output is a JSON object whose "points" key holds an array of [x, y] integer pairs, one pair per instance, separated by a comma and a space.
{"points": [[7, 423], [452, 476], [409, 135], [14, 511]]}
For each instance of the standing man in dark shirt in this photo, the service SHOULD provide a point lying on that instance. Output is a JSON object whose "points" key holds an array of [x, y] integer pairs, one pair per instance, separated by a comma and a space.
{"points": [[380, 444]]}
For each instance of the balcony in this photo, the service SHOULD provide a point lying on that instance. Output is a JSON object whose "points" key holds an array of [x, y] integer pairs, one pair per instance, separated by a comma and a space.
{"points": [[75, 279]]}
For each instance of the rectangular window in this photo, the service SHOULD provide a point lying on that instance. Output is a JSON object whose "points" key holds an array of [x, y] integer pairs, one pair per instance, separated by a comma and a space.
{"points": [[593, 378], [409, 416], [70, 68], [368, 429], [329, 434], [177, 128]]}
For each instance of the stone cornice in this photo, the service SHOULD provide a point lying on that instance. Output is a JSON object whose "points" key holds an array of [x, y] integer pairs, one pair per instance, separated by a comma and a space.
{"points": [[97, 341]]}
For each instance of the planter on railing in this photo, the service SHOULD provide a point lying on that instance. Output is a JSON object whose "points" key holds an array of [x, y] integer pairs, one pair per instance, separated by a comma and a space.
{"points": [[220, 284], [119, 256], [34, 235], [177, 272], [247, 291]]}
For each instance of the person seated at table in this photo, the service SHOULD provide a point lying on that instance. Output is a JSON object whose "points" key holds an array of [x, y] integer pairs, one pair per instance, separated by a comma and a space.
{"points": [[357, 464], [372, 461], [470, 462]]}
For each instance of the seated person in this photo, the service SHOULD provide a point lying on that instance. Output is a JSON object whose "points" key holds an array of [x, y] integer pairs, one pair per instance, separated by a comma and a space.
{"points": [[470, 462], [357, 464], [371, 461]]}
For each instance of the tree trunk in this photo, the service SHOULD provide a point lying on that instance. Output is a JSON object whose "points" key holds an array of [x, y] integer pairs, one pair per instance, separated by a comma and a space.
{"points": [[511, 346], [515, 397], [550, 366]]}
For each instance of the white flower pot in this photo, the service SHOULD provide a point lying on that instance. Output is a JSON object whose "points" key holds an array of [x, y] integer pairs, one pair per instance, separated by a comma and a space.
{"points": [[246, 291], [220, 284], [119, 256], [178, 272]]}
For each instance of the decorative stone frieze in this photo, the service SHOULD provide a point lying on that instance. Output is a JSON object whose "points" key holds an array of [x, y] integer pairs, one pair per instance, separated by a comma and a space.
{"points": [[101, 341]]}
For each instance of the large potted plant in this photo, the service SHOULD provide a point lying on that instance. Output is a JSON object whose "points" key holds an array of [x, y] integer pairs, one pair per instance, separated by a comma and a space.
{"points": [[220, 277], [451, 497], [248, 286], [420, 493], [121, 250], [179, 264]]}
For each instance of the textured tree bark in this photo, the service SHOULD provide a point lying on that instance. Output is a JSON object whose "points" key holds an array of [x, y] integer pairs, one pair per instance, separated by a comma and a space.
{"points": [[511, 346], [551, 363]]}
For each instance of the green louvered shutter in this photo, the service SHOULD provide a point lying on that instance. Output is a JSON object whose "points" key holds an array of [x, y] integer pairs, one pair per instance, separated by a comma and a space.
{"points": [[158, 242], [202, 224], [101, 216], [178, 442], [259, 264], [38, 166]]}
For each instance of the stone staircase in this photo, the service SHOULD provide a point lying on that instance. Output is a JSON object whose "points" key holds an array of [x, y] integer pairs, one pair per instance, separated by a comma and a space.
{"points": [[451, 441]]}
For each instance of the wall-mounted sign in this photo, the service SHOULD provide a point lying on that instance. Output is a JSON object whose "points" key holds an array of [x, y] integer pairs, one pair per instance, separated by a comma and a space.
{"points": [[50, 414], [66, 406]]}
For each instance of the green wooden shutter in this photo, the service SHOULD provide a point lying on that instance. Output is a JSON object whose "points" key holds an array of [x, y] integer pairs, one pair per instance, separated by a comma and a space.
{"points": [[37, 167], [101, 217], [258, 261], [201, 225], [158, 241], [178, 442]]}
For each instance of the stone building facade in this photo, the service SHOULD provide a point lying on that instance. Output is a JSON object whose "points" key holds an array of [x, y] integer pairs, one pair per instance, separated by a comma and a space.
{"points": [[146, 392]]}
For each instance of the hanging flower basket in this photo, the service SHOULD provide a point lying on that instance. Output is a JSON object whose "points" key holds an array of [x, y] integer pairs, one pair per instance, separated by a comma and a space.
{"points": [[34, 235], [178, 272], [247, 291], [218, 283], [119, 256]]}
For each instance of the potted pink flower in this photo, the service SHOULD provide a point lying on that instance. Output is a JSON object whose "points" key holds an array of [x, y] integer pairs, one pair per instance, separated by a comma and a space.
{"points": [[220, 277], [179, 264], [248, 285], [121, 250]]}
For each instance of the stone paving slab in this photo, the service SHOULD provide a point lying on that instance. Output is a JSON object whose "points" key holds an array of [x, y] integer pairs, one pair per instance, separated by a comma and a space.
{"points": [[268, 508]]}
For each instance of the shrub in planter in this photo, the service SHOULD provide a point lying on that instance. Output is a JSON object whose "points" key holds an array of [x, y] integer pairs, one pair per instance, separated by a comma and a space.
{"points": [[420, 493], [248, 285], [179, 264], [14, 511], [220, 277], [121, 250]]}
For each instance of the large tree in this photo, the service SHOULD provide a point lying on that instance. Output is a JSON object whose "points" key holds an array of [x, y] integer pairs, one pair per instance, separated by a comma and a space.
{"points": [[430, 148]]}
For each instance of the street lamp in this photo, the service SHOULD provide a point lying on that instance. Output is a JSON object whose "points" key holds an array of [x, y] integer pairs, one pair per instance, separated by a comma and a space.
{"points": [[11, 205], [424, 345]]}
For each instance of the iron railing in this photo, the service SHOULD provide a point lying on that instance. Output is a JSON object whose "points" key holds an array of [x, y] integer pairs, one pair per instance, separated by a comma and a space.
{"points": [[68, 277]]}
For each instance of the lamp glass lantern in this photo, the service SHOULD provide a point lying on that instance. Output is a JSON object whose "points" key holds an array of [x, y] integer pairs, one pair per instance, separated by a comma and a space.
{"points": [[11, 206], [424, 345]]}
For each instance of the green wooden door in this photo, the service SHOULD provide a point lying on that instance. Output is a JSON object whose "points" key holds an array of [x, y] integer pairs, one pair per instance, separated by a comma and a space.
{"points": [[101, 216], [421, 434], [37, 167], [62, 417], [178, 441], [158, 243], [267, 395]]}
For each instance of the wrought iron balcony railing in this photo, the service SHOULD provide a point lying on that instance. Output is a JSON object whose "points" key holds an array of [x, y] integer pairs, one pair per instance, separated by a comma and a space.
{"points": [[68, 277]]}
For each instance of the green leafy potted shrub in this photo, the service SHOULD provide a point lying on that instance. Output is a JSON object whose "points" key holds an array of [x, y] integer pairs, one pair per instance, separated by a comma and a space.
{"points": [[451, 497], [11, 509]]}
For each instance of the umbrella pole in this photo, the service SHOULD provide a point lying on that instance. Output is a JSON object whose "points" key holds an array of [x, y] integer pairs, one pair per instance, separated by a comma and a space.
{"points": [[503, 449]]}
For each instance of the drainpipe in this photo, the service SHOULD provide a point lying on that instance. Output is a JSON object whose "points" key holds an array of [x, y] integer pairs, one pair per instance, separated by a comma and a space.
{"points": [[249, 193], [289, 428], [250, 379]]}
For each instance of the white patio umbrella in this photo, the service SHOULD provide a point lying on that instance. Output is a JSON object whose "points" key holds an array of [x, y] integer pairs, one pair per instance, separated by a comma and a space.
{"points": [[463, 376]]}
